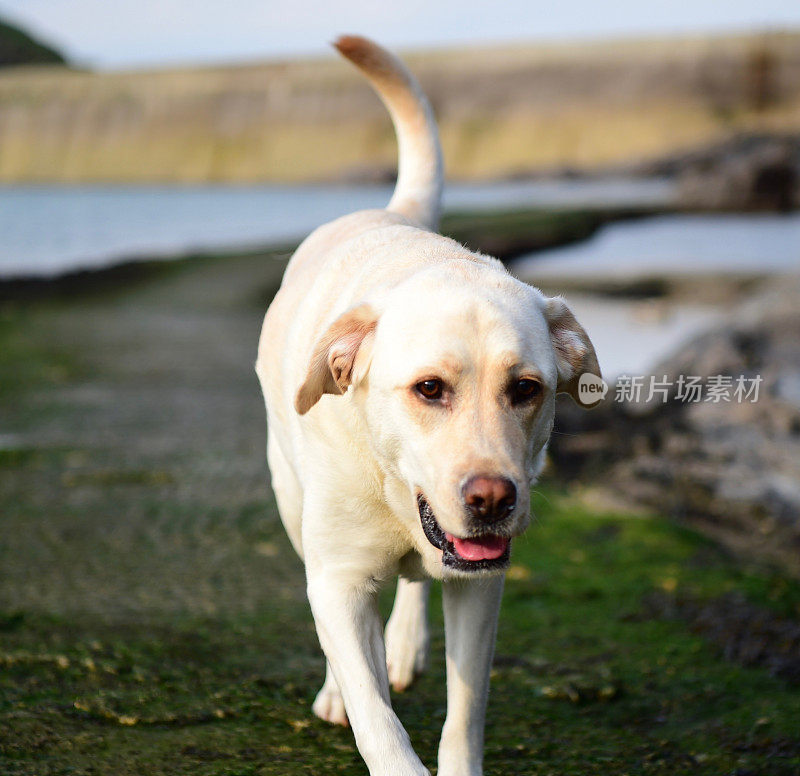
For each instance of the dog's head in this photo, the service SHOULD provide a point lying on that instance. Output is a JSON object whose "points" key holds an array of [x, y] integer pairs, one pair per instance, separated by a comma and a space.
{"points": [[455, 372]]}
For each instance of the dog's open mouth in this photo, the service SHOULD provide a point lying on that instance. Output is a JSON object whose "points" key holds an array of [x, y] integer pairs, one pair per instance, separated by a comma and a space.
{"points": [[487, 552]]}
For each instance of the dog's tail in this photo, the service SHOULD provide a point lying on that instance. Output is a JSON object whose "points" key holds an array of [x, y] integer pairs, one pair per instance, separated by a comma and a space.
{"points": [[418, 193]]}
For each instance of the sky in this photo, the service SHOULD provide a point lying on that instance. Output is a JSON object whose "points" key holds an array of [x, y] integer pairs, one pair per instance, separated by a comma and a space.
{"points": [[131, 34]]}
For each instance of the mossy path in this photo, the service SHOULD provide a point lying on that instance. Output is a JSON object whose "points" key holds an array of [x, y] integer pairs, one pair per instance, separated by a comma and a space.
{"points": [[153, 616]]}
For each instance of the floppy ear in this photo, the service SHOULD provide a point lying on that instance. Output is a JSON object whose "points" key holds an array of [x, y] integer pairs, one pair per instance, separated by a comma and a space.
{"points": [[340, 358], [573, 349]]}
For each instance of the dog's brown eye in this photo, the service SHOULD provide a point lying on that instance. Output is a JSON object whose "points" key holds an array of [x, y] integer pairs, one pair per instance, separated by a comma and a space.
{"points": [[525, 389], [430, 389]]}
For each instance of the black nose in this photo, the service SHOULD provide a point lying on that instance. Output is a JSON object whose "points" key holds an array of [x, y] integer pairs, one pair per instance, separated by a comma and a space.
{"points": [[489, 498]]}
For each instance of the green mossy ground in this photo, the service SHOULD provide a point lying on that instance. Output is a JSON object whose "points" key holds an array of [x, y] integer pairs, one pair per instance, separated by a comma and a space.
{"points": [[153, 617]]}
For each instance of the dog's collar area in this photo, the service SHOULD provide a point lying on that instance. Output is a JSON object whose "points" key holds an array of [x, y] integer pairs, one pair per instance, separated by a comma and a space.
{"points": [[450, 556]]}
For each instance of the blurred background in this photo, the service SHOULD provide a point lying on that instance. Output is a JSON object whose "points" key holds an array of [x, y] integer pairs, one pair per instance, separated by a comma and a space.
{"points": [[159, 162]]}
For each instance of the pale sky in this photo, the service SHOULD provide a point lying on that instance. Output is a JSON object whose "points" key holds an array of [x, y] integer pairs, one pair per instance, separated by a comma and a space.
{"points": [[110, 34]]}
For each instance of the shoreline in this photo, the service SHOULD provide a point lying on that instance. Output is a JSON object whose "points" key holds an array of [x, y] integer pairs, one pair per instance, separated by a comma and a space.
{"points": [[48, 230], [95, 280], [504, 233], [664, 305]]}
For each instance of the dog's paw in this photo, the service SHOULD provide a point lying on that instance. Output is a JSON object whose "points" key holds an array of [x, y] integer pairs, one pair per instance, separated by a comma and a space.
{"points": [[329, 705], [407, 645]]}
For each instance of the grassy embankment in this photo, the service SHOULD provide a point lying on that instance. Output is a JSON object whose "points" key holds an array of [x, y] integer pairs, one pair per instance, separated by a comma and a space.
{"points": [[154, 616], [17, 47], [502, 111]]}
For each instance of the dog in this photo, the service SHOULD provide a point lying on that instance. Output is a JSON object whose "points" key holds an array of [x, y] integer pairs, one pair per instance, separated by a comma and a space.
{"points": [[410, 387]]}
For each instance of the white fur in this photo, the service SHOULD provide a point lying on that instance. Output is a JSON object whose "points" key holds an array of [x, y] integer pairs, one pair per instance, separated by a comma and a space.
{"points": [[407, 633], [370, 305]]}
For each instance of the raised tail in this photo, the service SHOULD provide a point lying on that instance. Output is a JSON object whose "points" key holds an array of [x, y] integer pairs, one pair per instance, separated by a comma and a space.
{"points": [[418, 192]]}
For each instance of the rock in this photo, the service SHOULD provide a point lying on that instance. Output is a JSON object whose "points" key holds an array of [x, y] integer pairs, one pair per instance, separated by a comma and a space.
{"points": [[764, 177], [730, 467], [742, 632]]}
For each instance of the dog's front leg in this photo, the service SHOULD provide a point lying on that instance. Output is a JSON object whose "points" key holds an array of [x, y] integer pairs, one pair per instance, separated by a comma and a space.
{"points": [[351, 635], [471, 608], [407, 634]]}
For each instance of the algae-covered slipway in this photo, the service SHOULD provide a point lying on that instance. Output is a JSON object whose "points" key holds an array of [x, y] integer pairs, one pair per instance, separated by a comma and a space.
{"points": [[153, 617]]}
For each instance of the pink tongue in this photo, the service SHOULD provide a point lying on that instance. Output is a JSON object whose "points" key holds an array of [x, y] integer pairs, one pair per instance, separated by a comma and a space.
{"points": [[483, 548]]}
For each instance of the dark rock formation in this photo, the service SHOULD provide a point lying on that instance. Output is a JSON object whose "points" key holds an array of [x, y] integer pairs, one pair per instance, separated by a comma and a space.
{"points": [[731, 467], [763, 174]]}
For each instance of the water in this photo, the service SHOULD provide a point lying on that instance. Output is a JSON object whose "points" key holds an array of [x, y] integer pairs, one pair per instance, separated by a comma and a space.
{"points": [[50, 230], [47, 230], [633, 337], [675, 245]]}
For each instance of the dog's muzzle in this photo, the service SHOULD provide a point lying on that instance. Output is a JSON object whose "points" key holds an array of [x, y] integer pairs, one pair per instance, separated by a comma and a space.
{"points": [[480, 552]]}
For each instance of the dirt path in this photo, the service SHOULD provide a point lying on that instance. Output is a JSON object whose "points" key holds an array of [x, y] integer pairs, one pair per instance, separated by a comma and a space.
{"points": [[141, 421]]}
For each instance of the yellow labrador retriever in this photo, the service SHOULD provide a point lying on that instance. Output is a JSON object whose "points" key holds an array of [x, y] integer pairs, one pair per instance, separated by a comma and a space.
{"points": [[410, 387]]}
